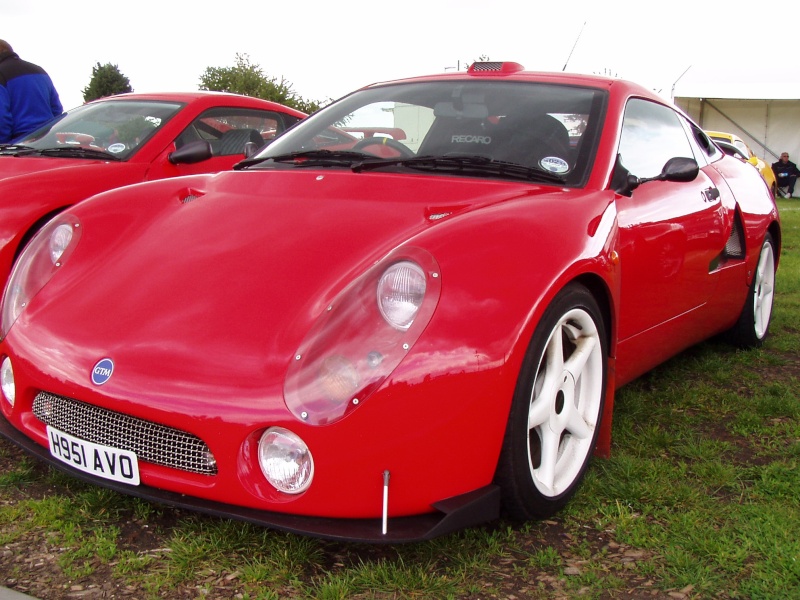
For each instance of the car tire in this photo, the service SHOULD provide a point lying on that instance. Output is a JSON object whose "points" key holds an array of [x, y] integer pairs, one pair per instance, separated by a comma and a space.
{"points": [[555, 414], [752, 327]]}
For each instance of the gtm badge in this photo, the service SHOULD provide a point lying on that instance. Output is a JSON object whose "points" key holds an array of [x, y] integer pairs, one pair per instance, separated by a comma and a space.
{"points": [[102, 371]]}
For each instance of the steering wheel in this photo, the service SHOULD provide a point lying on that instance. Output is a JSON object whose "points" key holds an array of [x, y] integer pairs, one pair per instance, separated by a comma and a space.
{"points": [[74, 139], [401, 149]]}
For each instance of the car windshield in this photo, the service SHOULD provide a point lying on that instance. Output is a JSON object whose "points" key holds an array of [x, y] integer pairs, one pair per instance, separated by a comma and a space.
{"points": [[535, 131], [116, 128]]}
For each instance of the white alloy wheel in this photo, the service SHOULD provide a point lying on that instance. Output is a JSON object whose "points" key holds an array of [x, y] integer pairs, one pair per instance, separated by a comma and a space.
{"points": [[752, 327], [565, 403], [764, 289], [555, 415]]}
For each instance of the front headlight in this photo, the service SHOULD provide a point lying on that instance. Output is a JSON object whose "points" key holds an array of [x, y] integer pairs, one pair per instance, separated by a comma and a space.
{"points": [[43, 256], [59, 241], [401, 291], [362, 336]]}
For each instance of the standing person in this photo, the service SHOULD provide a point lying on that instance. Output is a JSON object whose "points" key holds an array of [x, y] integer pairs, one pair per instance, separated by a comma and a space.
{"points": [[786, 173], [28, 98]]}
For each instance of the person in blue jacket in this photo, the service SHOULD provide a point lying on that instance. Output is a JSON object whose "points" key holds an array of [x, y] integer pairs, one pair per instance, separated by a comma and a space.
{"points": [[28, 98]]}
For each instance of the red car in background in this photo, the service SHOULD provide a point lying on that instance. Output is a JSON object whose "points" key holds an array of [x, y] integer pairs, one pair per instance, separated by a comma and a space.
{"points": [[124, 139], [407, 313]]}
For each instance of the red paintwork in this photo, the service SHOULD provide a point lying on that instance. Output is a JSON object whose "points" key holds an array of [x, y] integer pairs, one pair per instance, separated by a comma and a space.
{"points": [[203, 305], [32, 188]]}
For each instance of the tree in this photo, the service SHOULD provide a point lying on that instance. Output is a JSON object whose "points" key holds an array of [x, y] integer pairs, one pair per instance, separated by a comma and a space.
{"points": [[249, 79], [106, 81]]}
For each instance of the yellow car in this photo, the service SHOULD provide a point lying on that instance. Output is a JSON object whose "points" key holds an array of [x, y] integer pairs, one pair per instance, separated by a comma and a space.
{"points": [[763, 168]]}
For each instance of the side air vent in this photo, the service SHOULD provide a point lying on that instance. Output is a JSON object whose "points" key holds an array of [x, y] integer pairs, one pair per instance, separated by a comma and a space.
{"points": [[734, 248]]}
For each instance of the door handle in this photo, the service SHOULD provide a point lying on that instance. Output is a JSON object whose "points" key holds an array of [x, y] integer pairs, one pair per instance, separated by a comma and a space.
{"points": [[710, 194]]}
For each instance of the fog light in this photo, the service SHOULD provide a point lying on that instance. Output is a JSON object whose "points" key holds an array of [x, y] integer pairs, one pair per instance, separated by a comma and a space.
{"points": [[7, 381], [285, 460]]}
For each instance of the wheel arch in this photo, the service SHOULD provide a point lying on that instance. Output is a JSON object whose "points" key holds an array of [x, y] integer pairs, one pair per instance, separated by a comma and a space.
{"points": [[602, 293], [774, 230], [576, 293], [599, 289]]}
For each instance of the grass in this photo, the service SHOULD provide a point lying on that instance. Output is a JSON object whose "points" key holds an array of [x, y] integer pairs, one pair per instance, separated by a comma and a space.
{"points": [[699, 499]]}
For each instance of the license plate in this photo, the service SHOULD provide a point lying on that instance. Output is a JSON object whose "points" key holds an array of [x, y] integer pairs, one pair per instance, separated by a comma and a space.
{"points": [[102, 461]]}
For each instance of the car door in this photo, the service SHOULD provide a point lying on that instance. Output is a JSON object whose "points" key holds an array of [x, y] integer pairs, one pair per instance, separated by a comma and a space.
{"points": [[671, 233]]}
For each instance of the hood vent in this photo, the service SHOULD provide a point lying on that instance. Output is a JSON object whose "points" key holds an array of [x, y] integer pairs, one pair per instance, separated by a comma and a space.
{"points": [[187, 195], [437, 213]]}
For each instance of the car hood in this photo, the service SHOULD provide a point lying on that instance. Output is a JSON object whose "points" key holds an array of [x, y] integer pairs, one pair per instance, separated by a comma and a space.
{"points": [[15, 166], [211, 282], [61, 181]]}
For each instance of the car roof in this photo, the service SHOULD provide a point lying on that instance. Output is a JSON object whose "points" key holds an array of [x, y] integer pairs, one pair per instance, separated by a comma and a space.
{"points": [[205, 98], [517, 73], [182, 96]]}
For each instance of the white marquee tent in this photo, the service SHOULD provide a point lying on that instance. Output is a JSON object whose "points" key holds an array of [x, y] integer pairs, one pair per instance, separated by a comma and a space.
{"points": [[765, 114], [769, 127]]}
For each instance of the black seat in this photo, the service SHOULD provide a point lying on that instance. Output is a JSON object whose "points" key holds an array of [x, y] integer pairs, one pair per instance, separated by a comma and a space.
{"points": [[233, 141], [453, 135], [534, 137]]}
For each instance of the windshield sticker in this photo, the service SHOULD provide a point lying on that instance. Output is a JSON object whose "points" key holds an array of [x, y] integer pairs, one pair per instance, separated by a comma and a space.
{"points": [[554, 164], [116, 148]]}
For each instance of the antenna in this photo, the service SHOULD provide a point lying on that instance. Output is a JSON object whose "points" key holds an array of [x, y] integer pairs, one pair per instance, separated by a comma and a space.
{"points": [[573, 46], [672, 93]]}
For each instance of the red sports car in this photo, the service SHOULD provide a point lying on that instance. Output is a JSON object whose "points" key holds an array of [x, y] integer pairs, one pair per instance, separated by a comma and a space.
{"points": [[124, 139], [405, 316]]}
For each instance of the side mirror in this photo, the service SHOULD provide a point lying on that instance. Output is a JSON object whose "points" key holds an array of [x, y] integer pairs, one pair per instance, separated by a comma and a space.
{"points": [[622, 181], [250, 149], [193, 152], [679, 169]]}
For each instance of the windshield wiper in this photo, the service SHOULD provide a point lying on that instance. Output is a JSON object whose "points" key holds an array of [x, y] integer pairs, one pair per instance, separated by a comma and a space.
{"points": [[461, 164], [309, 158], [78, 152], [15, 149], [465, 164]]}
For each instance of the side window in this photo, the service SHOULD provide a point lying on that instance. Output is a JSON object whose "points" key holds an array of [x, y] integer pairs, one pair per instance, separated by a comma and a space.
{"points": [[229, 129], [651, 135]]}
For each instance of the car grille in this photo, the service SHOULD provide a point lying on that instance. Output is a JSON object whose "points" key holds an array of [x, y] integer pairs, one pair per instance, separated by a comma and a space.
{"points": [[150, 441]]}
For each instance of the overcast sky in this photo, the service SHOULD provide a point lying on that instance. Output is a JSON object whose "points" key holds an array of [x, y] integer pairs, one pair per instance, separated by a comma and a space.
{"points": [[326, 49]]}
